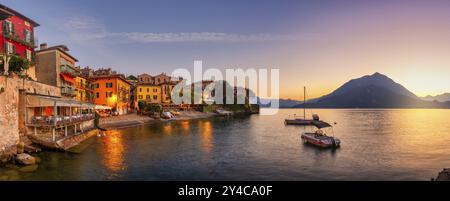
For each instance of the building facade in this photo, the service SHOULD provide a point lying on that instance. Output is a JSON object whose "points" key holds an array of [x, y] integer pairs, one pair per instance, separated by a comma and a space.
{"points": [[145, 79], [56, 67], [166, 91], [149, 93], [163, 81], [17, 36], [84, 89], [112, 91]]}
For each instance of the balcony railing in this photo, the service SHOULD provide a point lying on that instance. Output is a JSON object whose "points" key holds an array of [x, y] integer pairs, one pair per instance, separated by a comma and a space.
{"points": [[86, 86], [68, 91], [27, 41], [61, 120], [69, 70]]}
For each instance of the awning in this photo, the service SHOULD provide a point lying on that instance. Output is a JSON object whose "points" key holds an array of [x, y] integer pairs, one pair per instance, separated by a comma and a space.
{"points": [[45, 101], [102, 107], [67, 78]]}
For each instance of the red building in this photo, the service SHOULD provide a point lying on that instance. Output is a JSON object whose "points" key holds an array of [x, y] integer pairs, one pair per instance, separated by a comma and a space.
{"points": [[17, 33]]}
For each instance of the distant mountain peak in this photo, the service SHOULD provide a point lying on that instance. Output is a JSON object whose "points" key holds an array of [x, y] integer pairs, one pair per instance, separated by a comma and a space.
{"points": [[378, 80], [378, 74]]}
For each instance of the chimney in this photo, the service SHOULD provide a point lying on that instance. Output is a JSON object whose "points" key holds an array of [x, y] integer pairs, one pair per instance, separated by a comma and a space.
{"points": [[43, 46]]}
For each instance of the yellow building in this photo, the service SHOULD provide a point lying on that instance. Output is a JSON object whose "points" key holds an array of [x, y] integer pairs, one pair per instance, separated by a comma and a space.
{"points": [[84, 89], [148, 93]]}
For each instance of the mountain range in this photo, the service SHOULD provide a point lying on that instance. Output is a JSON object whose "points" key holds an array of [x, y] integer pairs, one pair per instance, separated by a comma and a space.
{"points": [[441, 98], [372, 91]]}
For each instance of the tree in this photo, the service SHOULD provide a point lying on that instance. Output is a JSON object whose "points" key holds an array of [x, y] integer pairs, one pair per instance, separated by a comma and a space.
{"points": [[18, 64], [132, 77], [142, 105], [14, 64], [4, 66]]}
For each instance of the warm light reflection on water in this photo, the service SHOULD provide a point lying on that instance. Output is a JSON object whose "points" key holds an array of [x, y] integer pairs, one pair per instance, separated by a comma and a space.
{"points": [[185, 126], [390, 144], [206, 133], [113, 151]]}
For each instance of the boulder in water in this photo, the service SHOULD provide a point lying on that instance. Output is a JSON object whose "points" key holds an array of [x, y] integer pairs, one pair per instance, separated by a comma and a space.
{"points": [[25, 159]]}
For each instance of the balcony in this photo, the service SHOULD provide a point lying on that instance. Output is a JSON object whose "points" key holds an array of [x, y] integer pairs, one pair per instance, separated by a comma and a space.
{"points": [[85, 86], [65, 69], [28, 41], [68, 91]]}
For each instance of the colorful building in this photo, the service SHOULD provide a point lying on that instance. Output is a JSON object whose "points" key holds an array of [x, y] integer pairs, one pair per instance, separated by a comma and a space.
{"points": [[163, 81], [17, 36], [149, 93], [112, 91], [56, 67], [166, 91], [84, 89]]}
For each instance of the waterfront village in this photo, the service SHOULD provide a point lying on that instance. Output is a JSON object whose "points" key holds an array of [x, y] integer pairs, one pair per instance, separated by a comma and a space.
{"points": [[48, 102]]}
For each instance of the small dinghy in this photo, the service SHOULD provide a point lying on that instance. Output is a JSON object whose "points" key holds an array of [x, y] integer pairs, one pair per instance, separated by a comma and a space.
{"points": [[167, 115], [319, 138]]}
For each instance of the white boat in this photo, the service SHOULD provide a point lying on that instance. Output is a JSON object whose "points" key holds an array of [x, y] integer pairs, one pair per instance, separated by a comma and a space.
{"points": [[319, 138], [167, 115]]}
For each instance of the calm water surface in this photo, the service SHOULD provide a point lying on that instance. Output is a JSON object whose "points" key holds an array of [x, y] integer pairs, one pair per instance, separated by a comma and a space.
{"points": [[376, 145]]}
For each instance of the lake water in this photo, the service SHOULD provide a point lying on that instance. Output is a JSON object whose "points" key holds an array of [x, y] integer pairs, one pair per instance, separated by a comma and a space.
{"points": [[376, 145]]}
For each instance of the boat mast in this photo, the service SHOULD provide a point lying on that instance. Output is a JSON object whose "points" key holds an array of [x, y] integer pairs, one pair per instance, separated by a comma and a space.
{"points": [[304, 102]]}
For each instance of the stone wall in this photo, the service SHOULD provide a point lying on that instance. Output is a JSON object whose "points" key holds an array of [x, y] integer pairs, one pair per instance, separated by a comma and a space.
{"points": [[9, 123], [33, 87], [12, 110]]}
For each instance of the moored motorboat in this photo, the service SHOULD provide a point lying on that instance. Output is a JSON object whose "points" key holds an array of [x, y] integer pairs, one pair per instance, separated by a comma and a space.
{"points": [[319, 138]]}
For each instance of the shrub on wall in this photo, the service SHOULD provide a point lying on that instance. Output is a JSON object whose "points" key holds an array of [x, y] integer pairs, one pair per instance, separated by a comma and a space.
{"points": [[17, 64]]}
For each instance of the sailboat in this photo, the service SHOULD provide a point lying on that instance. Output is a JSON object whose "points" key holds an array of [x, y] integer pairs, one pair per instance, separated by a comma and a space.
{"points": [[302, 121]]}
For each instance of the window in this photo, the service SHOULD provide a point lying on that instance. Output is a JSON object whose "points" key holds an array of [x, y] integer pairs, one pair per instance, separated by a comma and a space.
{"points": [[8, 27], [155, 90], [147, 97], [140, 97], [155, 97], [148, 90], [107, 93], [140, 89], [98, 95], [28, 55], [109, 85], [27, 34], [10, 48]]}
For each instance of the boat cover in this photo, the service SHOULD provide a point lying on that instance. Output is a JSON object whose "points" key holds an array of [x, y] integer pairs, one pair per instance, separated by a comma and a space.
{"points": [[321, 124]]}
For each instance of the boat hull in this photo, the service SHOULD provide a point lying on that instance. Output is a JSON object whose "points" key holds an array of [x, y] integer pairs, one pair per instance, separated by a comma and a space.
{"points": [[303, 122], [321, 140]]}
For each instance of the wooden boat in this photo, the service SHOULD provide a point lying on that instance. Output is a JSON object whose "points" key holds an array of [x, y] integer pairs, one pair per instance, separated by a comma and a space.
{"points": [[319, 138]]}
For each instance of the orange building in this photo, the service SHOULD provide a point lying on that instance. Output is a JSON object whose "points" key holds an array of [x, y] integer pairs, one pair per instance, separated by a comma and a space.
{"points": [[112, 91]]}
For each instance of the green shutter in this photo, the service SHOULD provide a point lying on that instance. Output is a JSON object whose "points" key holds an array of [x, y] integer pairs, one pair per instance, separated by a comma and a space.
{"points": [[4, 27]]}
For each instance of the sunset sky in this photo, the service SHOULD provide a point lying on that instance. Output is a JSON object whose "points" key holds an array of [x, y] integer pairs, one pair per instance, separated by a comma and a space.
{"points": [[320, 44]]}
